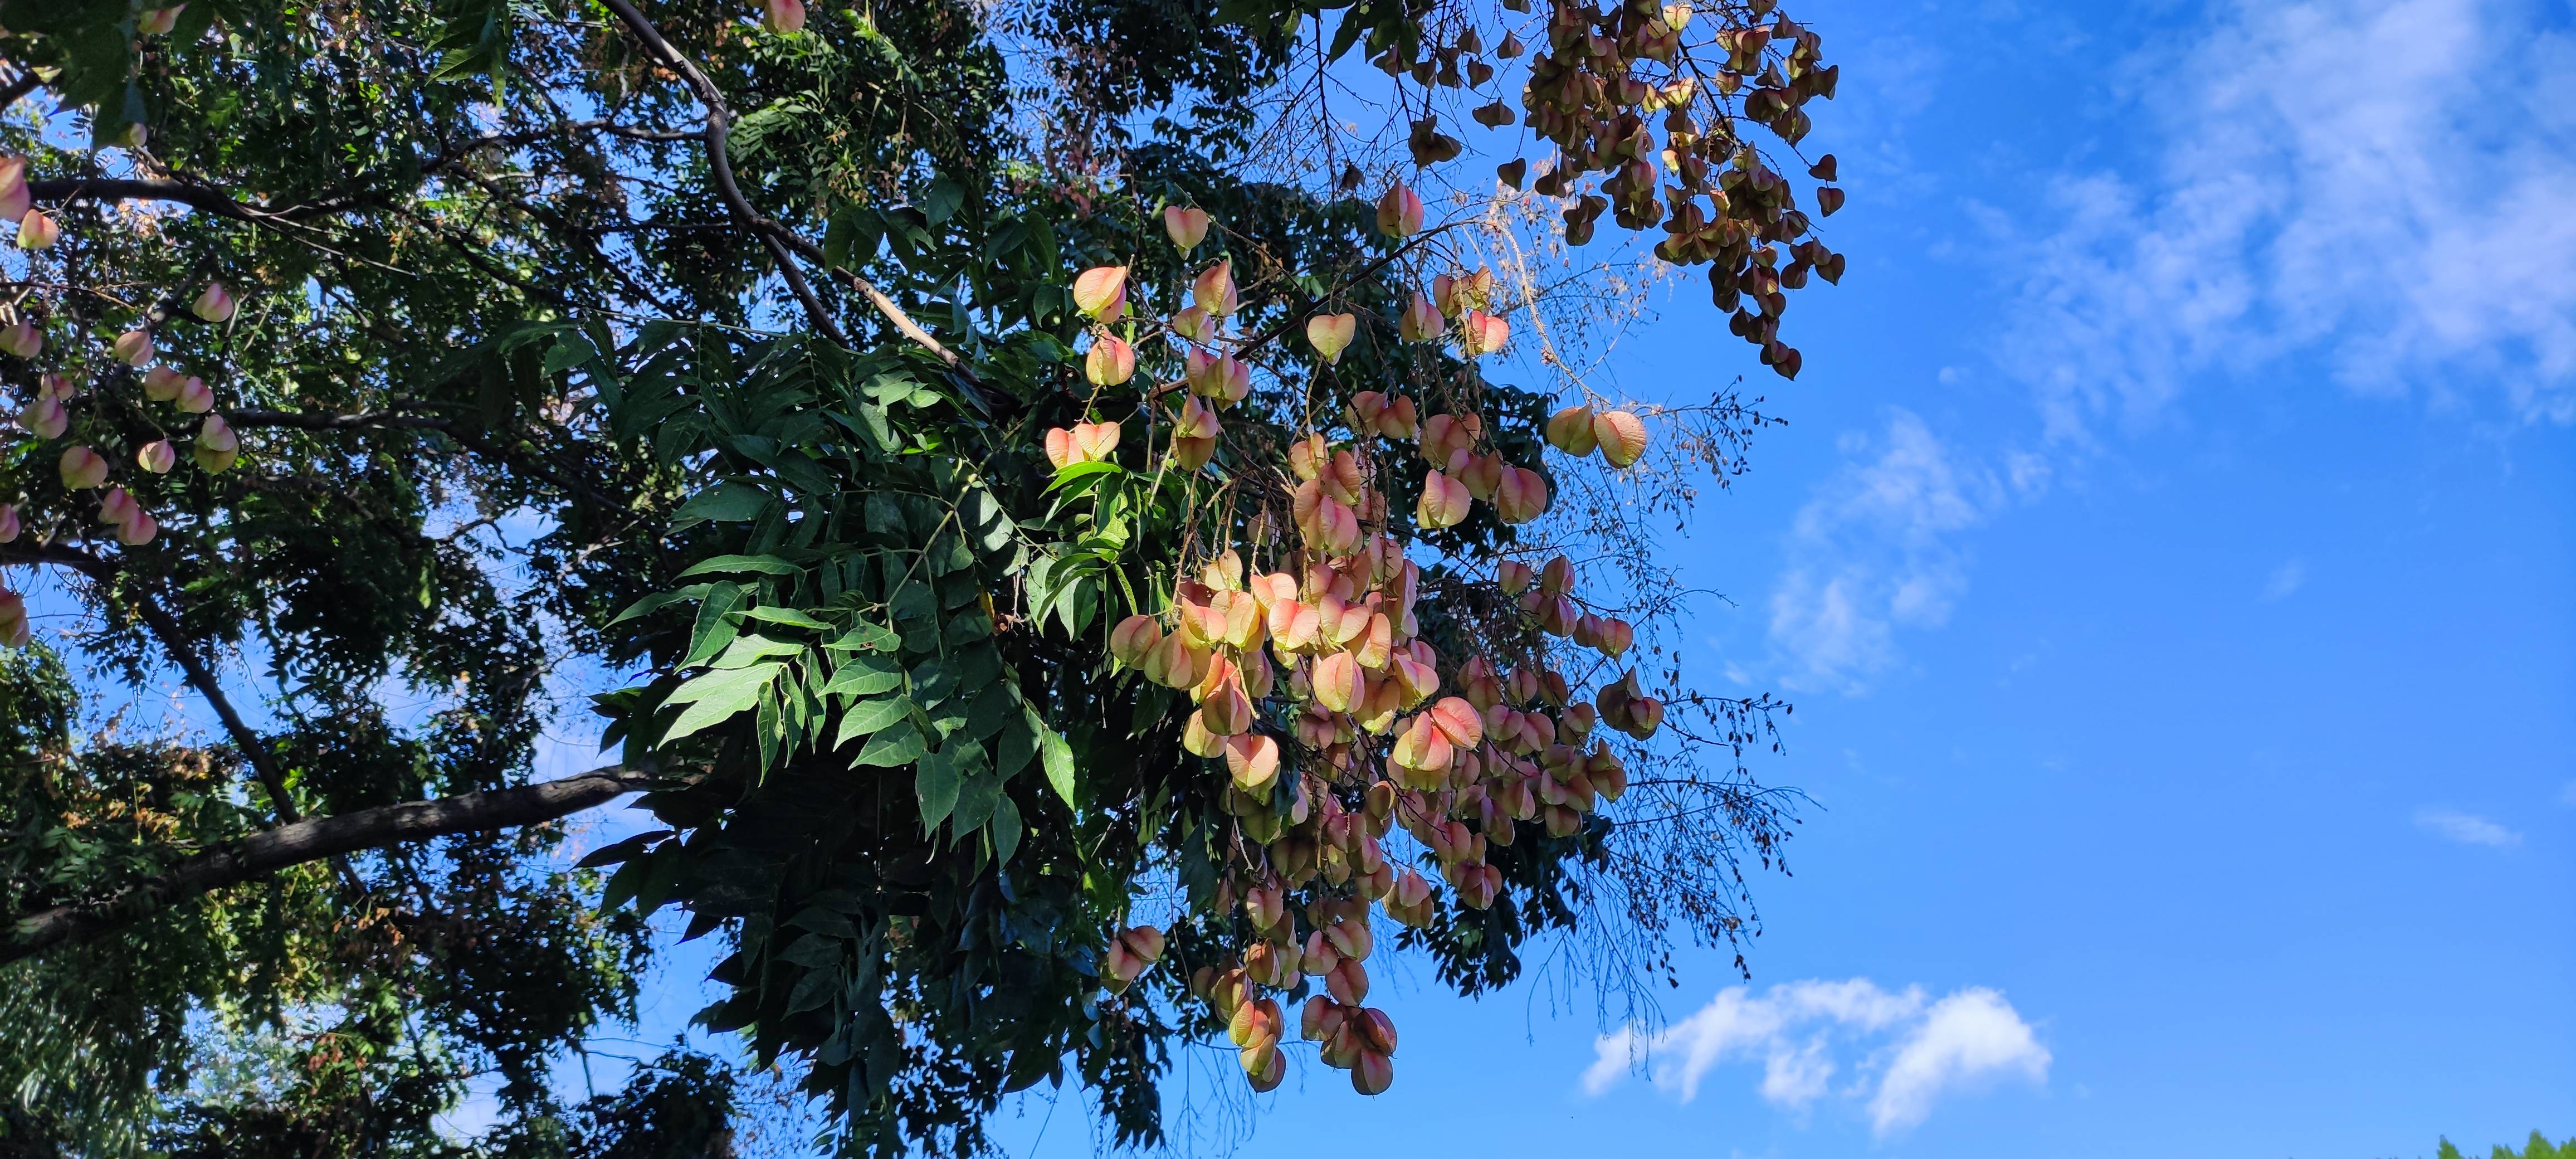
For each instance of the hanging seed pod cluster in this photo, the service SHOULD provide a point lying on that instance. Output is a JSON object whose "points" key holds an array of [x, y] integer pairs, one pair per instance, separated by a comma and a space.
{"points": [[1343, 746], [63, 409], [1651, 108]]}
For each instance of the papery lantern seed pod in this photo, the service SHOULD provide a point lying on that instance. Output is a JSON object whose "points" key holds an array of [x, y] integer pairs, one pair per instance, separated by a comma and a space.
{"points": [[1193, 323], [1095, 442], [214, 303], [158, 21], [161, 384], [1645, 715], [1480, 333], [1307, 457], [1399, 212], [1110, 362], [1330, 334], [1253, 761], [37, 231], [1421, 321], [1227, 711], [9, 524], [22, 339], [1060, 452], [1622, 437], [1145, 942], [82, 468], [1133, 638], [46, 417], [1522, 495], [117, 506], [216, 447], [1213, 290], [1187, 227], [1372, 1073], [1615, 637], [1319, 1019], [194, 396], [1514, 577], [133, 348], [1444, 501], [1459, 721], [1101, 292], [1348, 982], [157, 456], [1398, 420], [1557, 578], [1380, 1030], [1483, 475], [1570, 431]]}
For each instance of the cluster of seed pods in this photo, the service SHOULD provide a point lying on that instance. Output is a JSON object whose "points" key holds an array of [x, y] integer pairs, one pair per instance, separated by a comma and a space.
{"points": [[1605, 77], [48, 414], [1329, 721]]}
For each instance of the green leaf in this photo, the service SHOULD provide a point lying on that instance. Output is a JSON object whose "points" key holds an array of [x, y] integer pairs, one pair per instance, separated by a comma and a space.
{"points": [[1058, 758], [715, 626], [866, 637], [938, 782], [977, 789], [864, 675], [869, 717], [748, 650], [725, 564], [1076, 472], [727, 502], [788, 616], [719, 696], [895, 747], [1005, 827], [657, 601]]}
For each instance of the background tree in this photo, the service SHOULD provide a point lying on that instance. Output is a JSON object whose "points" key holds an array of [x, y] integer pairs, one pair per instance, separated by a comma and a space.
{"points": [[385, 369]]}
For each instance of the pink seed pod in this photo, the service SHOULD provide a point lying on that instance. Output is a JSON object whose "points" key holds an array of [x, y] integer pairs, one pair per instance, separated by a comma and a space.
{"points": [[134, 347], [1622, 437], [22, 339], [37, 231], [1399, 213], [1101, 292], [1187, 227], [46, 417], [83, 468], [1214, 290], [9, 526], [786, 15], [159, 21], [195, 397], [1110, 362], [216, 447], [157, 456], [214, 303], [117, 506]]}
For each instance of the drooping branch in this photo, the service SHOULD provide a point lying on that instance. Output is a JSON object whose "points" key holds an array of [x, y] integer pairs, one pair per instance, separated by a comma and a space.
{"points": [[182, 650], [207, 198], [720, 164], [265, 853]]}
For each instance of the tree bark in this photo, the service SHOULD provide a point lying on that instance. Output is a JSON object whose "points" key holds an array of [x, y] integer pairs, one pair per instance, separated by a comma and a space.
{"points": [[265, 853]]}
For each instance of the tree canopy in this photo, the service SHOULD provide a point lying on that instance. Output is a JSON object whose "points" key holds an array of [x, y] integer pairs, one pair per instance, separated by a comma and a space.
{"points": [[1082, 520]]}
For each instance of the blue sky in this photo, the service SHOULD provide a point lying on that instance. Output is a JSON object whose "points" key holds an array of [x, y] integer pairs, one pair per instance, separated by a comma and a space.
{"points": [[2172, 555]]}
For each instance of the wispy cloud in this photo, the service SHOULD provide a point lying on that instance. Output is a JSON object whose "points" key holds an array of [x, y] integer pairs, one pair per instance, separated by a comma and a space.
{"points": [[2465, 828], [1911, 1050], [2388, 186], [2287, 578], [1874, 549]]}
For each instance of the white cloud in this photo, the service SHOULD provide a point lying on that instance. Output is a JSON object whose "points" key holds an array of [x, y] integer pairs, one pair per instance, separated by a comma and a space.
{"points": [[1967, 1039], [2287, 578], [2465, 828], [1871, 552], [2388, 186], [1911, 1051]]}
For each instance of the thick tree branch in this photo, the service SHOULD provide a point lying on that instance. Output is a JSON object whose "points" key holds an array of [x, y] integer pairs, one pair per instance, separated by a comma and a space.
{"points": [[262, 854]]}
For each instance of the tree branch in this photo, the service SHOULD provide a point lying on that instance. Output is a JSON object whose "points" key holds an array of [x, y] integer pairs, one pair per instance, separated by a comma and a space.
{"points": [[720, 163], [203, 197], [265, 853]]}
